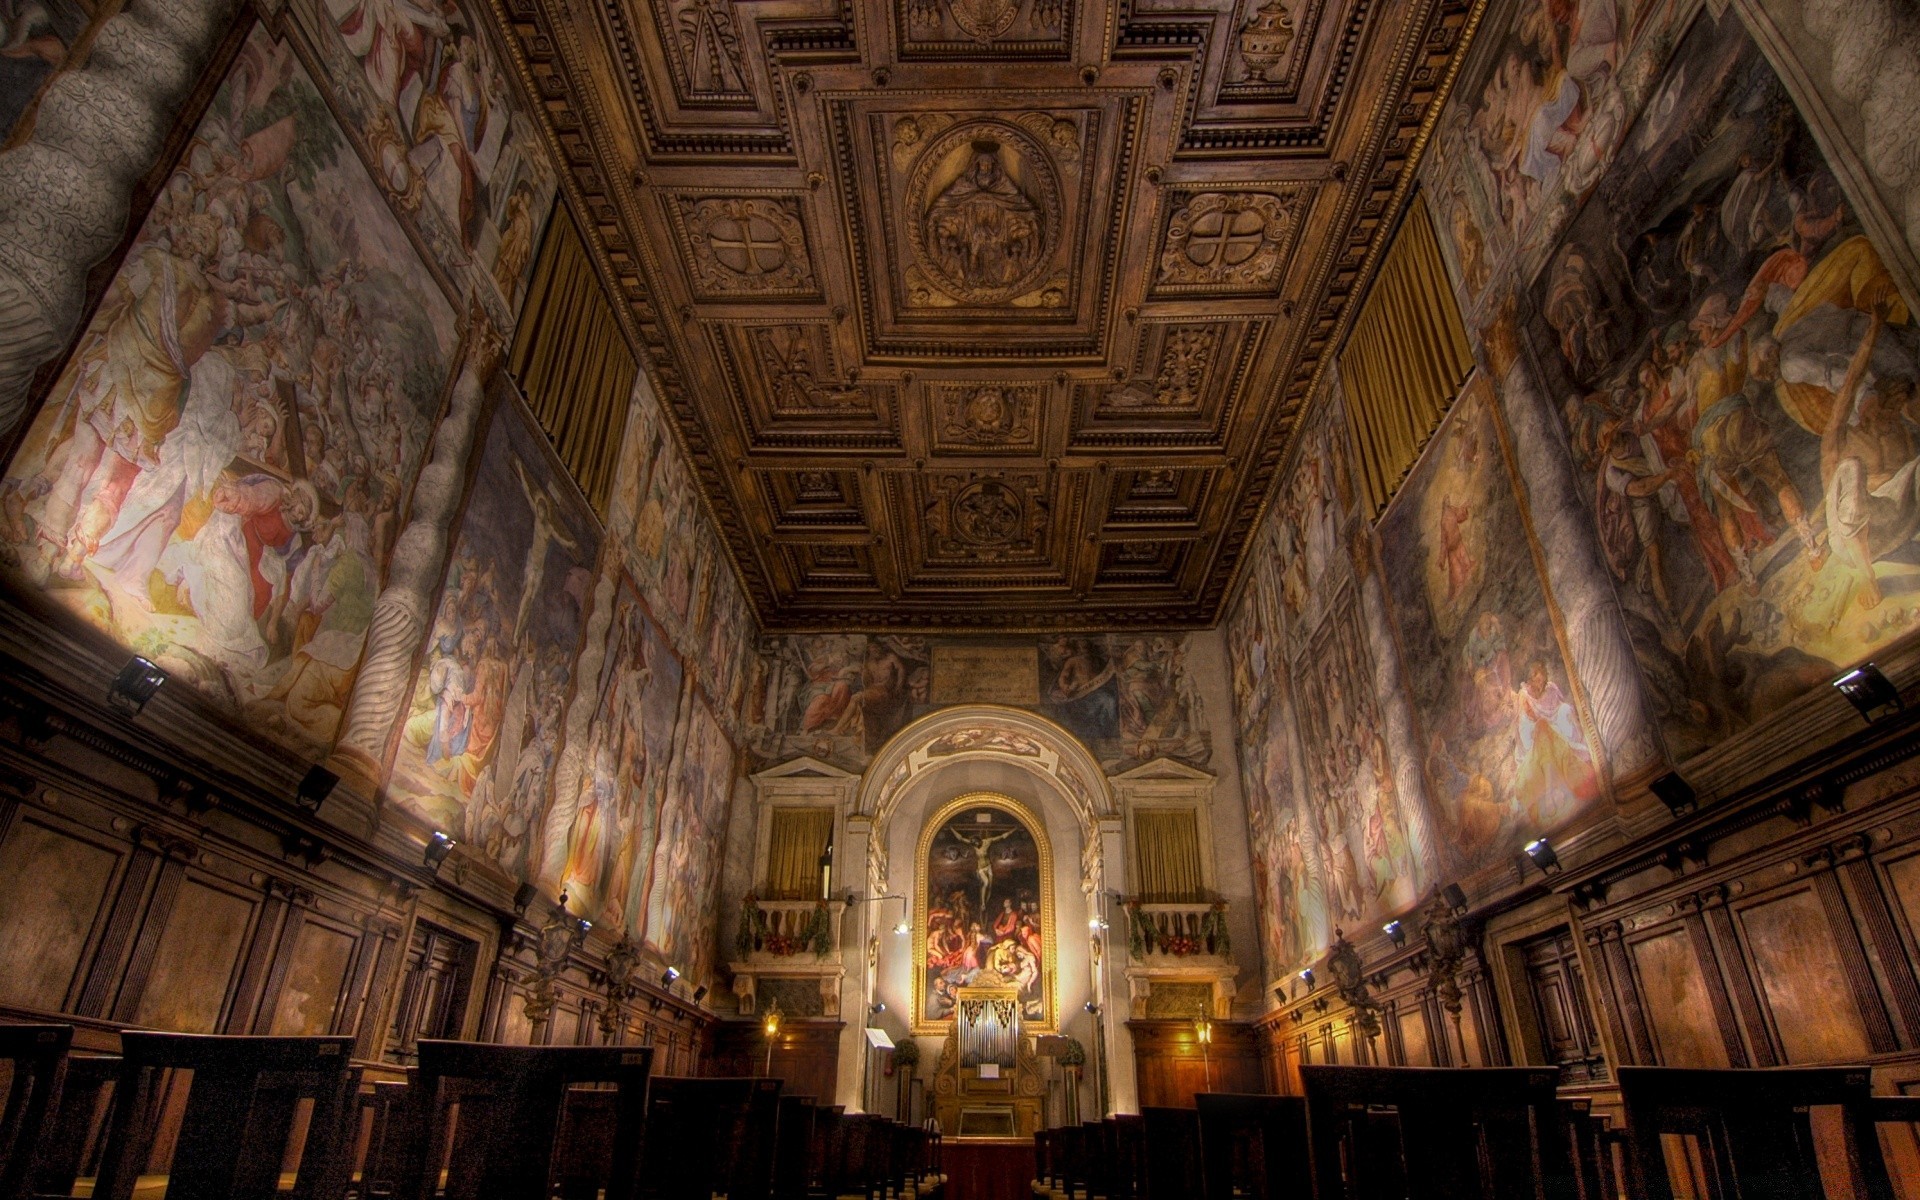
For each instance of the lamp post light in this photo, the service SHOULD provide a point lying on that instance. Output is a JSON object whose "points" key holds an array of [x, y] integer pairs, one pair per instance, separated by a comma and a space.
{"points": [[772, 1025]]}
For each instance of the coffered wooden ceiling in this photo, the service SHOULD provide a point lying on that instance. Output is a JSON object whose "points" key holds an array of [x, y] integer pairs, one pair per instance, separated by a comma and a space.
{"points": [[988, 313]]}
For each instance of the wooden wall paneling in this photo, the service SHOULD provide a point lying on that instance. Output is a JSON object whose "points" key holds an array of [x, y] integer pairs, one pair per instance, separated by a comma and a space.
{"points": [[1740, 984], [1889, 952], [1708, 958], [1853, 955], [1672, 979], [313, 992], [129, 901], [375, 973], [54, 914], [1633, 1043], [258, 985], [1810, 1018], [1171, 1069], [807, 1056], [189, 953]]}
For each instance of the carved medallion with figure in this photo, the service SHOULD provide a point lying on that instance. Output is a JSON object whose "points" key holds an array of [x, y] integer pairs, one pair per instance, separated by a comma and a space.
{"points": [[949, 28], [990, 417], [1226, 242], [986, 517], [747, 247], [983, 211]]}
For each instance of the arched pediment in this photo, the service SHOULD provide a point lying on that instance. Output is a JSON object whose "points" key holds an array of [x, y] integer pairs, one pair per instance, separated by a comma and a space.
{"points": [[990, 731]]}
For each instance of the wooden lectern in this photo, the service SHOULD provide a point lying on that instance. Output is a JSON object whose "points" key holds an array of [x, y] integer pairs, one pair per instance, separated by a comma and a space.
{"points": [[988, 1081]]}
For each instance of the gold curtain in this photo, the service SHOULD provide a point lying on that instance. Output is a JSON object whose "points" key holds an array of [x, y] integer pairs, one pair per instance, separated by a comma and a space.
{"points": [[1167, 856], [796, 839], [1405, 359], [572, 362]]}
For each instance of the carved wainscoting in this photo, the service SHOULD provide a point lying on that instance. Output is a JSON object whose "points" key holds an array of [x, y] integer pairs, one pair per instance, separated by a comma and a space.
{"points": [[806, 1054], [1171, 1067]]}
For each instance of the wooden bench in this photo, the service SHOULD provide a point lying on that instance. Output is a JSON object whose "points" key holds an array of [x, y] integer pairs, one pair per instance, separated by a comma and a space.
{"points": [[254, 1110], [1173, 1163], [1419, 1133], [378, 1129], [36, 1056], [1254, 1146], [486, 1120], [711, 1135], [1753, 1134]]}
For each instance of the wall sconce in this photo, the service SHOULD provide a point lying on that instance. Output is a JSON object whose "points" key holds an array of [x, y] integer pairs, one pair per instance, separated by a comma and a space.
{"points": [[1396, 932], [315, 788], [1865, 687], [1540, 850], [135, 685], [1306, 977], [1456, 899], [438, 847], [666, 981], [1674, 792]]}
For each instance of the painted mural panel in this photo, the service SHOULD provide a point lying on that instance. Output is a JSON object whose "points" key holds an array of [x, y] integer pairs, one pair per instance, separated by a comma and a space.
{"points": [[841, 696], [484, 729], [35, 39], [1507, 753], [217, 476], [1329, 834], [1542, 111], [449, 129], [984, 907], [1737, 376], [600, 843], [681, 901]]}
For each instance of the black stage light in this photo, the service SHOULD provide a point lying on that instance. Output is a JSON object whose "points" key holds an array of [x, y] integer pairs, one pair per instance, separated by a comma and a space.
{"points": [[1865, 687], [666, 981], [1540, 850], [438, 847], [316, 787], [1674, 792], [135, 685], [1396, 932], [1456, 899], [700, 993], [1306, 977], [523, 898]]}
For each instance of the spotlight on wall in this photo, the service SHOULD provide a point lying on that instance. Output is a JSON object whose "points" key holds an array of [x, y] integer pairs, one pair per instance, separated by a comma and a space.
{"points": [[316, 787], [1093, 1008], [438, 847], [135, 685], [585, 926], [877, 1007], [666, 981], [1396, 932], [700, 993], [1865, 687], [1540, 850], [1456, 899], [1674, 792], [1096, 924], [1306, 977], [523, 897]]}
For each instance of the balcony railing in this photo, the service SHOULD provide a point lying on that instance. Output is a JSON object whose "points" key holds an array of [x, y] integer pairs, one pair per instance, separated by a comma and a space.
{"points": [[785, 928], [1157, 932]]}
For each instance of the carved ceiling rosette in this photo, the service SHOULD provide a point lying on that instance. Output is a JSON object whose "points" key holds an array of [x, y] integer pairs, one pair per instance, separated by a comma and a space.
{"points": [[1227, 241], [746, 246]]}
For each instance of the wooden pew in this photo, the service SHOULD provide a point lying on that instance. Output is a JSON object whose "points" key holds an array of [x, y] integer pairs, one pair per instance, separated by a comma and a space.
{"points": [[74, 1136], [1173, 1166], [36, 1056], [487, 1119], [1589, 1151], [711, 1135], [253, 1106], [1097, 1160], [1897, 1121], [379, 1131], [1751, 1134], [1043, 1162], [824, 1161], [1423, 1133], [1254, 1146], [793, 1147], [1070, 1159], [1129, 1155]]}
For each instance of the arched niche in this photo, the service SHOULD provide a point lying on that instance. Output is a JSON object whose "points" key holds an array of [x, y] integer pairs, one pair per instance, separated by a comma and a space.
{"points": [[1038, 765]]}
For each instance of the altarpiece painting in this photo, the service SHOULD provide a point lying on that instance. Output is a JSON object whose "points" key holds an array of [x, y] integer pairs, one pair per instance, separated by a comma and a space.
{"points": [[984, 906]]}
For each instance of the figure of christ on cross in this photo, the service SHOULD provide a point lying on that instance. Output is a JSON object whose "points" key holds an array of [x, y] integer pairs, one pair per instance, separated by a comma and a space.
{"points": [[982, 868]]}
